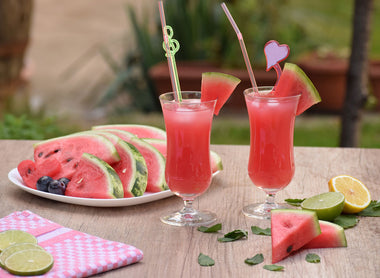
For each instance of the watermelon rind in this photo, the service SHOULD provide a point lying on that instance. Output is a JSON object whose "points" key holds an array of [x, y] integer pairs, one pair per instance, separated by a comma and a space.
{"points": [[332, 236], [219, 86], [216, 162], [83, 184], [294, 81], [291, 230], [155, 161], [141, 131], [135, 180]]}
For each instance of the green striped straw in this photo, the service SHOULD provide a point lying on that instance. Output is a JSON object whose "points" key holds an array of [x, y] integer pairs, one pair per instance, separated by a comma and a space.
{"points": [[171, 46]]}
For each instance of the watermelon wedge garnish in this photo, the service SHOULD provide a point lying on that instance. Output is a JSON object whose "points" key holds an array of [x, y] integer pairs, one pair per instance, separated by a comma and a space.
{"points": [[294, 81], [219, 86], [292, 229]]}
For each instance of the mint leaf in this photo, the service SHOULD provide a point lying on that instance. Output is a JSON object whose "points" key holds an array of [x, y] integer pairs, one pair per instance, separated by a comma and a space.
{"points": [[346, 221], [234, 235], [257, 259], [259, 231], [294, 202], [373, 210], [205, 260], [273, 267], [212, 229], [312, 258]]}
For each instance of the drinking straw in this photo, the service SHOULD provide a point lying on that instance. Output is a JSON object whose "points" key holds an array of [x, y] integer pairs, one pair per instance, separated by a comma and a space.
{"points": [[242, 46], [171, 46]]}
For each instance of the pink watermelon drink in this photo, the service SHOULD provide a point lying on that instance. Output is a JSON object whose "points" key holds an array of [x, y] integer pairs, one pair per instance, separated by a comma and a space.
{"points": [[271, 160], [188, 168]]}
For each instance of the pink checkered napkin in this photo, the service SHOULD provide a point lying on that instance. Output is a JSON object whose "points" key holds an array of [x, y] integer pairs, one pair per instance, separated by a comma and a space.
{"points": [[76, 254]]}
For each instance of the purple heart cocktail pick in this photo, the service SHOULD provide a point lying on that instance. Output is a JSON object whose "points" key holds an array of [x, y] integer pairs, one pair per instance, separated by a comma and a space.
{"points": [[275, 53]]}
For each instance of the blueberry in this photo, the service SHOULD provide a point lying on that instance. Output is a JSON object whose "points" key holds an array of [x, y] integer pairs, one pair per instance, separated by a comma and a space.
{"points": [[64, 180], [43, 183], [57, 187]]}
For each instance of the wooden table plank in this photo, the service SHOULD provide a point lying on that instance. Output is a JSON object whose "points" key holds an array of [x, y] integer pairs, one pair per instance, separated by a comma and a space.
{"points": [[173, 251]]}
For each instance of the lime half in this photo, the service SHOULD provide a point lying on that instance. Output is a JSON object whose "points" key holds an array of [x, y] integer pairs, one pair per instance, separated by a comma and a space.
{"points": [[327, 205], [9, 237], [29, 262], [7, 252]]}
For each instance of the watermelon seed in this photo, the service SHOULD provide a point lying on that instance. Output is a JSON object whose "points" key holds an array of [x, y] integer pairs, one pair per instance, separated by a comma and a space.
{"points": [[289, 249], [80, 180], [40, 154], [124, 170]]}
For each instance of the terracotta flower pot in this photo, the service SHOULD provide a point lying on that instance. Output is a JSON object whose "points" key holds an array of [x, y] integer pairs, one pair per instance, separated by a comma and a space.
{"points": [[374, 79], [329, 77], [190, 75]]}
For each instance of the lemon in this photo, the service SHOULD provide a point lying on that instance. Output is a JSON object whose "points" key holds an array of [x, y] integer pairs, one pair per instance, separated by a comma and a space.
{"points": [[9, 237], [327, 205], [29, 262], [356, 194], [15, 248]]}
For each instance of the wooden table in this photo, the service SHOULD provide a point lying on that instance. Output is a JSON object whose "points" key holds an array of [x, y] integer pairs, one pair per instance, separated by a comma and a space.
{"points": [[173, 251]]}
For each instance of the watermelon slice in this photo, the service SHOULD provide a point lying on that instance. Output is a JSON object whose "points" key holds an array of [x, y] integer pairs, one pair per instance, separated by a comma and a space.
{"points": [[131, 168], [160, 145], [141, 131], [293, 81], [219, 86], [69, 149], [332, 236], [155, 161], [30, 171], [94, 178], [292, 229]]}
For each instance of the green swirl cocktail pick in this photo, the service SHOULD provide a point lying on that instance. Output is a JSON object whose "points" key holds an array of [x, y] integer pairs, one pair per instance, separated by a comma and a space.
{"points": [[171, 46]]}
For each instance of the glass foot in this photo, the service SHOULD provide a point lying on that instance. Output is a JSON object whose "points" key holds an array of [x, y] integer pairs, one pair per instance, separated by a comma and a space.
{"points": [[261, 211], [193, 218]]}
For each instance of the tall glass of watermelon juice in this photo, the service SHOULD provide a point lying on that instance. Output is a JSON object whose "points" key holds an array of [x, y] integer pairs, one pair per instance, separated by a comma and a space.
{"points": [[271, 160], [188, 169]]}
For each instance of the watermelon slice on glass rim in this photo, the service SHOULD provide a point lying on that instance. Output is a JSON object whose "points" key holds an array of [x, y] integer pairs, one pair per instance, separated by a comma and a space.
{"points": [[294, 81], [219, 86]]}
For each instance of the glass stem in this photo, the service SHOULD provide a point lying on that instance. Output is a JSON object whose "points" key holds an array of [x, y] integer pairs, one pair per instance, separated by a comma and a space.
{"points": [[269, 201], [188, 207]]}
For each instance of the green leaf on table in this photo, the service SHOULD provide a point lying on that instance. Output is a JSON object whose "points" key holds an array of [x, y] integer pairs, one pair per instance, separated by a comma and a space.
{"points": [[312, 258], [294, 202], [205, 260], [373, 210], [234, 235], [259, 231], [273, 267], [212, 229], [346, 220], [257, 259]]}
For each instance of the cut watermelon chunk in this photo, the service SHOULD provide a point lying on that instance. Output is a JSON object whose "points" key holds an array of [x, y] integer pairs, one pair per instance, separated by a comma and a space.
{"points": [[30, 171], [94, 178], [293, 81], [215, 159], [219, 86], [154, 160], [131, 168], [332, 236], [292, 229], [69, 149], [141, 131]]}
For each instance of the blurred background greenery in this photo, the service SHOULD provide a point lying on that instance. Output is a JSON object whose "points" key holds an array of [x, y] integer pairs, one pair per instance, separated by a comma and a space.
{"points": [[322, 27]]}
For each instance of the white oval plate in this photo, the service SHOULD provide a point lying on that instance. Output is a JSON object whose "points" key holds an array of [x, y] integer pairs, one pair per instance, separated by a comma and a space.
{"points": [[15, 178]]}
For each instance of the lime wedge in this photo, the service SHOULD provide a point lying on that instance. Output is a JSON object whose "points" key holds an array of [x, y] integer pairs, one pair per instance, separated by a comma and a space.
{"points": [[7, 252], [9, 237], [29, 262], [327, 205]]}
